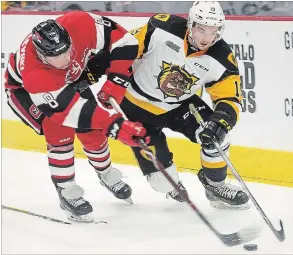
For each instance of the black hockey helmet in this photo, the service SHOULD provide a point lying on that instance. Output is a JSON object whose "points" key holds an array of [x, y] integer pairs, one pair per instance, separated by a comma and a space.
{"points": [[50, 38]]}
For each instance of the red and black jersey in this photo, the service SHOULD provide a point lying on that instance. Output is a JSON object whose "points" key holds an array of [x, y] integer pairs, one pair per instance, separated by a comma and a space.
{"points": [[52, 89]]}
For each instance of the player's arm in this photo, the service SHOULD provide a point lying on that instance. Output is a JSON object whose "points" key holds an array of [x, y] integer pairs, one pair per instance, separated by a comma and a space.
{"points": [[66, 107], [12, 76], [226, 95], [123, 48], [143, 35], [63, 104], [226, 92]]}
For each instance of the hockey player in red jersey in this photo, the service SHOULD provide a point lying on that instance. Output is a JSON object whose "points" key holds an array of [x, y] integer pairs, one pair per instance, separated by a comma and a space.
{"points": [[46, 86]]}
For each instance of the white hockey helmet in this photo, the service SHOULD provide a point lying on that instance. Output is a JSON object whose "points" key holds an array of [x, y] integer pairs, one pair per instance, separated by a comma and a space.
{"points": [[209, 14]]}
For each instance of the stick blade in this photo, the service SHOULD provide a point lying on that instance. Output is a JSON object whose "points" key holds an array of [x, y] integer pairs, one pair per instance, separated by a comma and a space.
{"points": [[280, 234], [243, 236]]}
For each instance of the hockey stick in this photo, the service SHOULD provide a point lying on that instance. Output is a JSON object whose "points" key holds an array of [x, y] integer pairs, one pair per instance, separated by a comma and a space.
{"points": [[278, 233], [34, 214], [45, 217], [233, 239]]}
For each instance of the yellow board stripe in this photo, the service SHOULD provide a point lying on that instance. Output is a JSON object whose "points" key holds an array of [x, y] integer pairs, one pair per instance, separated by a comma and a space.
{"points": [[145, 105], [258, 165]]}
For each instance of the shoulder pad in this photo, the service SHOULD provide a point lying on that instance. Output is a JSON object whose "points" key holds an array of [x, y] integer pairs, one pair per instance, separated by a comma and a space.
{"points": [[171, 23], [222, 52]]}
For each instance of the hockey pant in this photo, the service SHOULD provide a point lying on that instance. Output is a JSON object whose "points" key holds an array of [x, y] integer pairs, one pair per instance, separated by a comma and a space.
{"points": [[182, 121], [60, 139]]}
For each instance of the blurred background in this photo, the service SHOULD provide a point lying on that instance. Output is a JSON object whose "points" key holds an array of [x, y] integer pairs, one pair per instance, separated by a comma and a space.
{"points": [[252, 8]]}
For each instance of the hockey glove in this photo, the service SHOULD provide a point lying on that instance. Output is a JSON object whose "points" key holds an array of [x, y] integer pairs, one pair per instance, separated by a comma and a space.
{"points": [[98, 64], [127, 132], [114, 87], [217, 126]]}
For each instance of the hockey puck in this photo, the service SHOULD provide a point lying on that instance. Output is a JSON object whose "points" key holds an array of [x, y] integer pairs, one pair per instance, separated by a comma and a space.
{"points": [[250, 247]]}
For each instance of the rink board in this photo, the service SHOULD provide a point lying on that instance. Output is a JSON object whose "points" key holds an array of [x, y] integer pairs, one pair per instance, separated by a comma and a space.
{"points": [[266, 121], [257, 165], [262, 140]]}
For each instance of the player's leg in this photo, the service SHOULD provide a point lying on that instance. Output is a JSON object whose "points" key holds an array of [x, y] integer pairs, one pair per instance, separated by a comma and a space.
{"points": [[60, 151], [158, 144], [60, 154], [96, 148], [214, 169]]}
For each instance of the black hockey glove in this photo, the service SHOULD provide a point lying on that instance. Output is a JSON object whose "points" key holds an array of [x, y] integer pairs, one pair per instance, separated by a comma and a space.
{"points": [[98, 64], [83, 88], [217, 126]]}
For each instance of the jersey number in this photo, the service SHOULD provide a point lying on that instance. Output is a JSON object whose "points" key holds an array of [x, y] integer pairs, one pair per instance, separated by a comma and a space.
{"points": [[103, 22], [50, 100], [162, 17], [135, 31]]}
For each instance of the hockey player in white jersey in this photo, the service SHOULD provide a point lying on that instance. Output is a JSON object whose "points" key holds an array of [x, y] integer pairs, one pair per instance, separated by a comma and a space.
{"points": [[176, 58]]}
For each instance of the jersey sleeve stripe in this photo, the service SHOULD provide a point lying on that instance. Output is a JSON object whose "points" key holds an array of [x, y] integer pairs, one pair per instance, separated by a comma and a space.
{"points": [[17, 60], [12, 73], [63, 97], [10, 82], [59, 117], [71, 119], [139, 34], [148, 36], [100, 33], [116, 38], [86, 114], [100, 36], [124, 40], [228, 87], [128, 52]]}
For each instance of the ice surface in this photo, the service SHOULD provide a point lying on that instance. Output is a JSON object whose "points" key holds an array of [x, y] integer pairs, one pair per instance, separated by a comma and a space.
{"points": [[152, 225]]}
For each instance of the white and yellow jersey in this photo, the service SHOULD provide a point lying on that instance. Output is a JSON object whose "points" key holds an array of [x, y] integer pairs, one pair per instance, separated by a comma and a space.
{"points": [[167, 72]]}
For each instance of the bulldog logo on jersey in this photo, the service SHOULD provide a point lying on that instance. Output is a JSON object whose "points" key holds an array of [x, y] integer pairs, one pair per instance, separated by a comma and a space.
{"points": [[175, 81]]}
